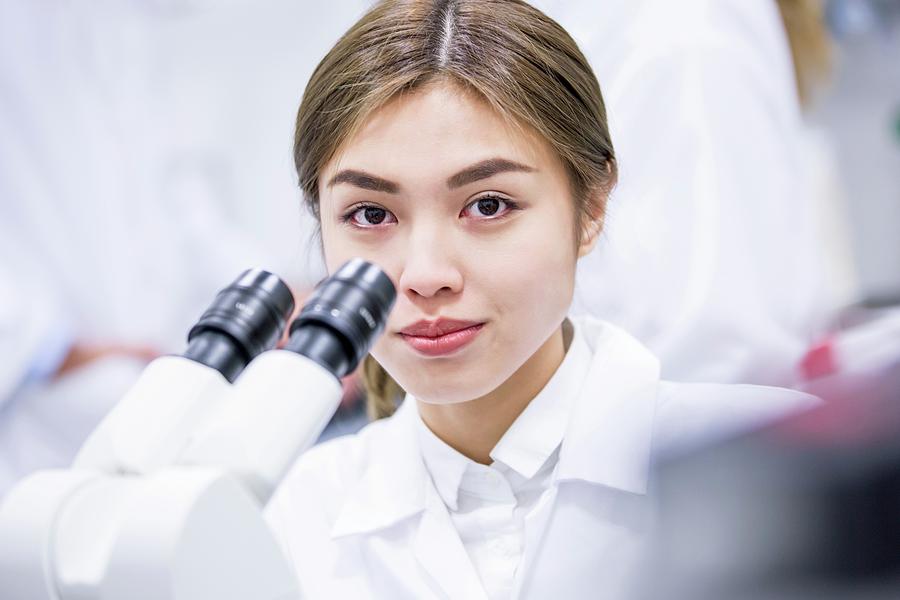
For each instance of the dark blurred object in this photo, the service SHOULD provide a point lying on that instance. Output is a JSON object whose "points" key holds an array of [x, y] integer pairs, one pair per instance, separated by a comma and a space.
{"points": [[897, 125], [807, 508]]}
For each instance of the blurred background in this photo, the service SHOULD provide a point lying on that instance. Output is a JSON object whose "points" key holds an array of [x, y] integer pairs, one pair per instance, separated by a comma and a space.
{"points": [[857, 110], [146, 160], [860, 111]]}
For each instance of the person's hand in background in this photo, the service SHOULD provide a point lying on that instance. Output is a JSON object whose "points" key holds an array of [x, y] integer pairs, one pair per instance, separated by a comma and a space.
{"points": [[83, 353]]}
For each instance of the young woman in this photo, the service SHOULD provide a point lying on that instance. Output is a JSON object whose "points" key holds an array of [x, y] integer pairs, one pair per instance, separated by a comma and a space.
{"points": [[463, 146]]}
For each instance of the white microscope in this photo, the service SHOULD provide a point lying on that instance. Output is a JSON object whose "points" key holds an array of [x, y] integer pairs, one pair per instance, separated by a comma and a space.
{"points": [[164, 501]]}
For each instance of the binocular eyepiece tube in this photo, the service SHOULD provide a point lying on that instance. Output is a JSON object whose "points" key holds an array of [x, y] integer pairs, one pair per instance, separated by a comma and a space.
{"points": [[335, 328]]}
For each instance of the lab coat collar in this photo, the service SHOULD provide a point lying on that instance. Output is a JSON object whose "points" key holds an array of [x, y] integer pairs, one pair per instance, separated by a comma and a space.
{"points": [[607, 442], [531, 440], [536, 434], [609, 437], [395, 486], [446, 466], [394, 482]]}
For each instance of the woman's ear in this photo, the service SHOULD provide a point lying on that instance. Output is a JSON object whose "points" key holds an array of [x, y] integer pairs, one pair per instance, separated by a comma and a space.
{"points": [[589, 236], [592, 225]]}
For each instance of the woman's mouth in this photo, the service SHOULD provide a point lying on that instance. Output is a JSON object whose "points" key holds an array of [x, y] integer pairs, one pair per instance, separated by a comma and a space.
{"points": [[441, 337]]}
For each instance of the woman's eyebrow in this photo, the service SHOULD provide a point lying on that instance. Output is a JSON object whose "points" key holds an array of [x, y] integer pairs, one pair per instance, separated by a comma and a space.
{"points": [[484, 169], [365, 181], [480, 170]]}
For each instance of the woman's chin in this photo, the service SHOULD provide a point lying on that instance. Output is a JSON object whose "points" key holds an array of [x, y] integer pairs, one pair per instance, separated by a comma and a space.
{"points": [[427, 392]]}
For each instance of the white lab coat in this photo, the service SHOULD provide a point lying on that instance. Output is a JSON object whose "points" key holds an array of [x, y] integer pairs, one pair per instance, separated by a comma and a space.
{"points": [[360, 517], [711, 255]]}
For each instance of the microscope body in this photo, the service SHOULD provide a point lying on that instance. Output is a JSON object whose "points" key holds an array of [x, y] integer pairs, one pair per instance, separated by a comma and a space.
{"points": [[164, 500], [181, 533]]}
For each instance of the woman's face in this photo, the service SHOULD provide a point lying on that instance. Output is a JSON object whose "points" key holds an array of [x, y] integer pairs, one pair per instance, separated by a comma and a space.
{"points": [[473, 221]]}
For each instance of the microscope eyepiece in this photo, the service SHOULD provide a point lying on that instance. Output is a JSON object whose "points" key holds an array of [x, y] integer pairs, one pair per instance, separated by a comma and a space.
{"points": [[344, 316], [246, 318]]}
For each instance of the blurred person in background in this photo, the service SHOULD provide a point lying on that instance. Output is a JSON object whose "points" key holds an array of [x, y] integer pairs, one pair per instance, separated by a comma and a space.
{"points": [[110, 248], [715, 252], [812, 56], [55, 378]]}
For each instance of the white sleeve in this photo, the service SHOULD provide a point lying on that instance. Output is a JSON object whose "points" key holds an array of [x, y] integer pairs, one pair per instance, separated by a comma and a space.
{"points": [[701, 414]]}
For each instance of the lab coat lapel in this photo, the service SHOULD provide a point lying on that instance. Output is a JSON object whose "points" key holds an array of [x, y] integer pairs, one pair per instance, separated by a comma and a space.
{"points": [[441, 554], [396, 486], [609, 437], [608, 440], [391, 487]]}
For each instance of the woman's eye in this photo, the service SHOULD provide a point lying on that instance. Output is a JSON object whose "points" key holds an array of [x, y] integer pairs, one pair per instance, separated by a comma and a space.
{"points": [[370, 216], [489, 207]]}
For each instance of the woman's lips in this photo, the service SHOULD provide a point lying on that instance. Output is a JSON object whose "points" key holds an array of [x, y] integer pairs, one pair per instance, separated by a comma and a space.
{"points": [[440, 338]]}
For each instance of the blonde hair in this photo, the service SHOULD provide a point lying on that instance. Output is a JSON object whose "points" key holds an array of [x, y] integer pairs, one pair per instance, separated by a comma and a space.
{"points": [[811, 49], [522, 63]]}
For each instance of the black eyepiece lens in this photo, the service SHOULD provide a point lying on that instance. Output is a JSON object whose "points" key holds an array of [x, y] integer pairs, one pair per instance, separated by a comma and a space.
{"points": [[246, 318], [344, 316]]}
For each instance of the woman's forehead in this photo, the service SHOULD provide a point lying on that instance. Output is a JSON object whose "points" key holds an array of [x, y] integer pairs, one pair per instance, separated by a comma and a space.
{"points": [[441, 124]]}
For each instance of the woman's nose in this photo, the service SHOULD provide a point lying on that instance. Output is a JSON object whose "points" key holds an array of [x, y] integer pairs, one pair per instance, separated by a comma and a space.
{"points": [[430, 269]]}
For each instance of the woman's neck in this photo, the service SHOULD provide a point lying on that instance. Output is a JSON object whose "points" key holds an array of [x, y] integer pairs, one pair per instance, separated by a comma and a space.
{"points": [[473, 428]]}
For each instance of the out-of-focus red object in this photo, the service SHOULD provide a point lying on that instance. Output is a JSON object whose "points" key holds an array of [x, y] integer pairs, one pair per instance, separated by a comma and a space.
{"points": [[856, 372]]}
